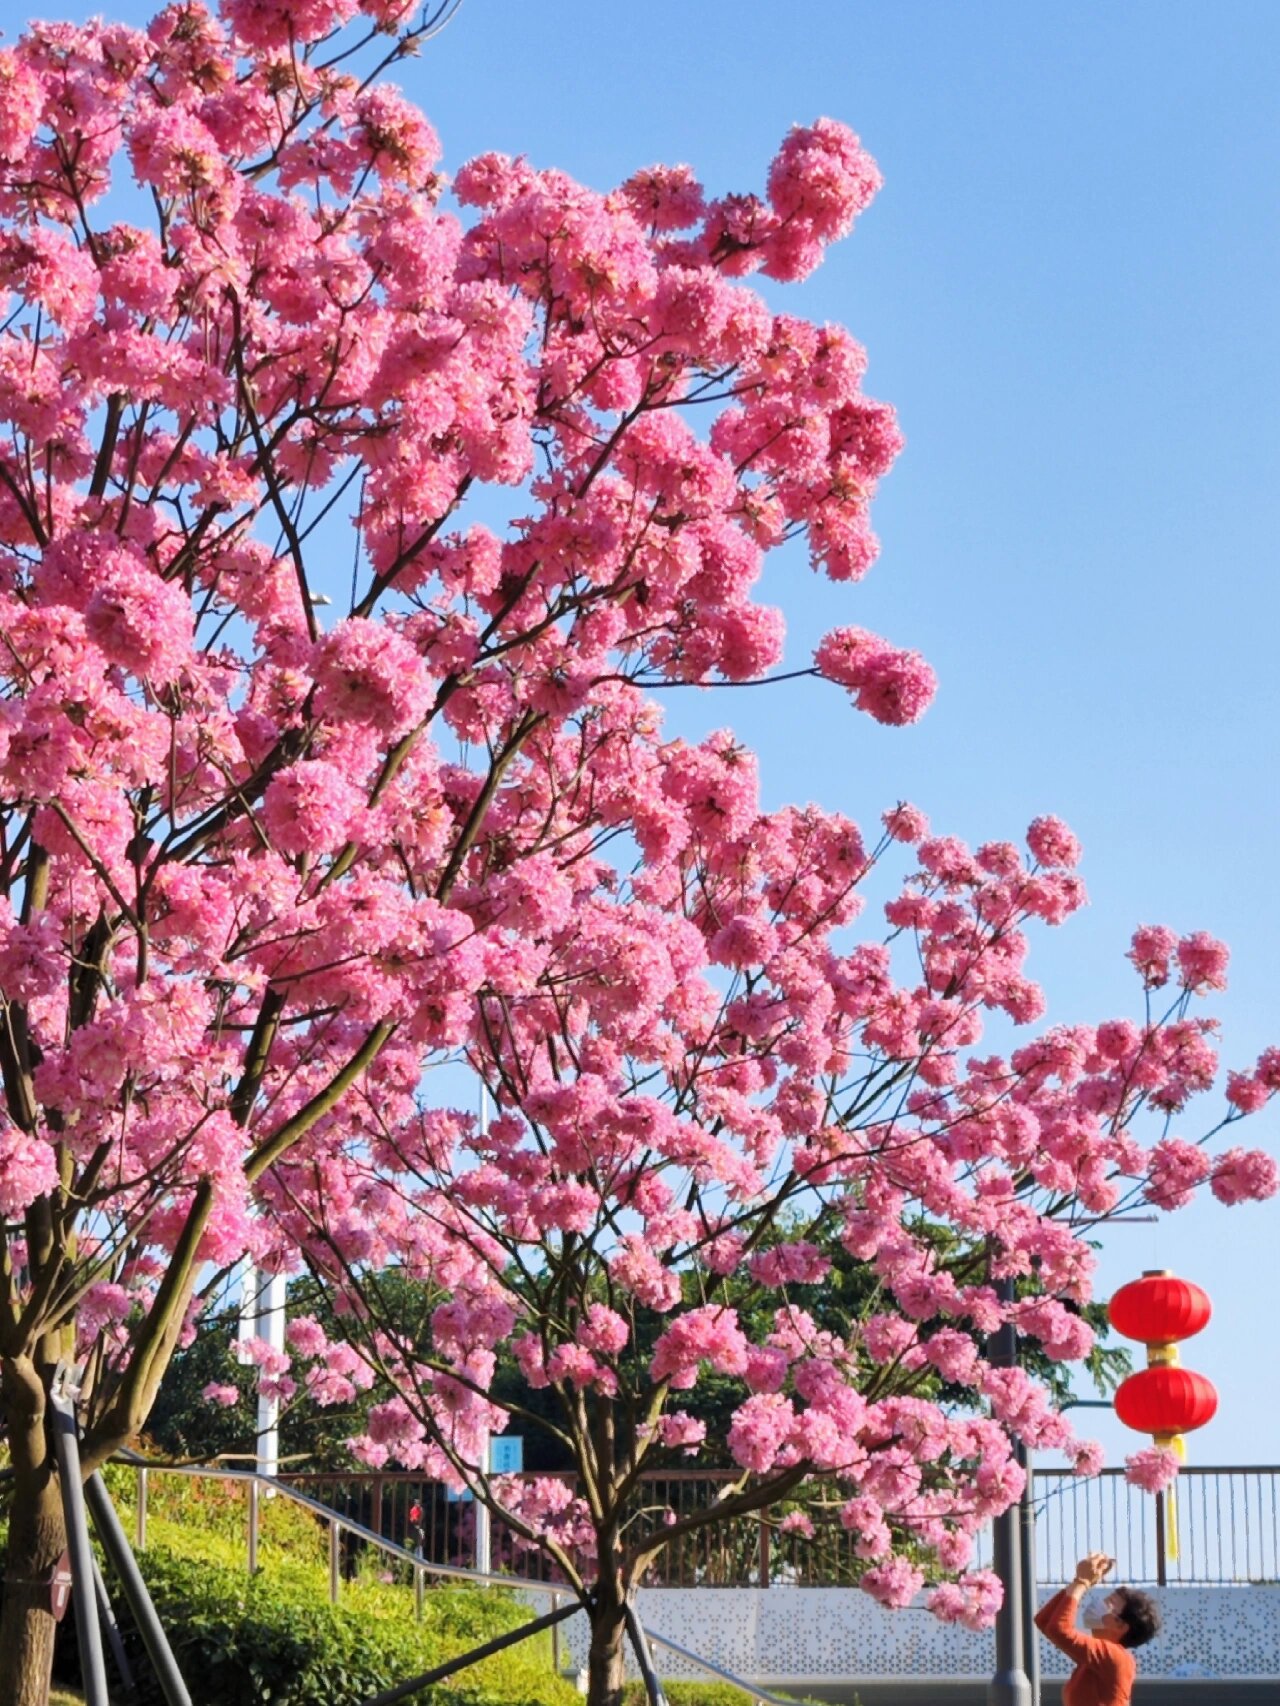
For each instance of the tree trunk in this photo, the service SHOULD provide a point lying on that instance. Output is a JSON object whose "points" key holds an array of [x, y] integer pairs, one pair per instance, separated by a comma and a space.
{"points": [[37, 1539], [606, 1658]]}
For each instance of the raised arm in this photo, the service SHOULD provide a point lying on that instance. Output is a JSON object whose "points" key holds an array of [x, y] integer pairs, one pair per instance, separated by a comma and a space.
{"points": [[1056, 1619]]}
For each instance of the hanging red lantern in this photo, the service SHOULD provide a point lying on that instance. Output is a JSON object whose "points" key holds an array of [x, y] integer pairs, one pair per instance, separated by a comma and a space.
{"points": [[1163, 1399], [1159, 1309], [1166, 1402]]}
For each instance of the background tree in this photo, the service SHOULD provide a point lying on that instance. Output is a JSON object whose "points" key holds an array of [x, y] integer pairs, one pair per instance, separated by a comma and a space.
{"points": [[283, 722]]}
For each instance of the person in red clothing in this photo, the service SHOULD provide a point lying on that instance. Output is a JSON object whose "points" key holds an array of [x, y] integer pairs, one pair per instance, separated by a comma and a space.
{"points": [[1103, 1659]]}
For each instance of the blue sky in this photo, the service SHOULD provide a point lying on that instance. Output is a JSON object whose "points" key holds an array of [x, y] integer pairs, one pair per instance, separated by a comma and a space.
{"points": [[1067, 289]]}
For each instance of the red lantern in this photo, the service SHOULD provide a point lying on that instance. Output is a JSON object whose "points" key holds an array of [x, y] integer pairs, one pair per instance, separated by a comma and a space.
{"points": [[1159, 1309], [1166, 1401]]}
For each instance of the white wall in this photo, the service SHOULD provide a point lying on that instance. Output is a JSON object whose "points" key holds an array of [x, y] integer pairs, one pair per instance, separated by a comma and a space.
{"points": [[780, 1635]]}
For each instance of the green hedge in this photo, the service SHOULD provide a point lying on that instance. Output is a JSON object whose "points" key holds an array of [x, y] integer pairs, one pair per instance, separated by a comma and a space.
{"points": [[274, 1641]]}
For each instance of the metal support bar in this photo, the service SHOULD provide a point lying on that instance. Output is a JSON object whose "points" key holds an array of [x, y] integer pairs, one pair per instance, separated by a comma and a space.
{"points": [[415, 1684], [255, 1496], [141, 1525], [88, 1631], [644, 1658], [124, 1670], [335, 1561], [125, 1567], [761, 1695], [1162, 1571]]}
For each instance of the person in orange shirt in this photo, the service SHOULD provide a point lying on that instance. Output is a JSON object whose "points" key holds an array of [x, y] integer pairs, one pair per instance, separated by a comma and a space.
{"points": [[1103, 1659]]}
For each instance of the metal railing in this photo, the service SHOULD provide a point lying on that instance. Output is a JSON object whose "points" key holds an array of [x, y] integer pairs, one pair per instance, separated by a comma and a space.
{"points": [[1227, 1523]]}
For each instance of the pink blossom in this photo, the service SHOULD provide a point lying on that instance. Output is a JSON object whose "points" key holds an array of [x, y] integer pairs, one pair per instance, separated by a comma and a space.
{"points": [[972, 1601], [1244, 1175], [759, 1430], [22, 98], [306, 1337], [1052, 843], [679, 1431], [310, 808], [906, 823], [1087, 1457], [1202, 961], [823, 178], [1152, 1470], [1176, 1169], [366, 673], [27, 1170], [710, 1334], [141, 622], [894, 686], [894, 1584], [226, 1396], [1152, 950]]}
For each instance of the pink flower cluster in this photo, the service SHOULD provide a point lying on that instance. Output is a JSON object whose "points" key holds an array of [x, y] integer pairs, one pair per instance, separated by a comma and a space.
{"points": [[1153, 1470], [894, 686]]}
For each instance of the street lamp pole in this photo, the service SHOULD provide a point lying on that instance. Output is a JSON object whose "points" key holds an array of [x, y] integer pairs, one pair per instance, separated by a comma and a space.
{"points": [[1027, 1545], [1009, 1686]]}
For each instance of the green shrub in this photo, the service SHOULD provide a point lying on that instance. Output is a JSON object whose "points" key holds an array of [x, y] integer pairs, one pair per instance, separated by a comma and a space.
{"points": [[692, 1694], [273, 1639]]}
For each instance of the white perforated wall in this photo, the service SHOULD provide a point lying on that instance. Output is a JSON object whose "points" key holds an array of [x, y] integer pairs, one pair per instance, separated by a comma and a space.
{"points": [[775, 1636]]}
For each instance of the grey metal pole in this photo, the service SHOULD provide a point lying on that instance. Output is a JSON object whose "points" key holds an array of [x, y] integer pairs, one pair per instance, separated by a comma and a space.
{"points": [[644, 1657], [116, 1546], [1027, 1547], [1009, 1686], [83, 1600], [415, 1684], [124, 1670]]}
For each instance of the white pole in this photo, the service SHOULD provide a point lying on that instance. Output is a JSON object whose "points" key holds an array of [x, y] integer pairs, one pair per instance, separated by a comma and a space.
{"points": [[271, 1301], [262, 1307], [484, 1531]]}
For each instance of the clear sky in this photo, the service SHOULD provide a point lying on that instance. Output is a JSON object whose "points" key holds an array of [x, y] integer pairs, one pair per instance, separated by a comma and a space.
{"points": [[1068, 289]]}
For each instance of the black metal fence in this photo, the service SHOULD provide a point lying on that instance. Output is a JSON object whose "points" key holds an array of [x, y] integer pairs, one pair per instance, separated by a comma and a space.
{"points": [[1226, 1524]]}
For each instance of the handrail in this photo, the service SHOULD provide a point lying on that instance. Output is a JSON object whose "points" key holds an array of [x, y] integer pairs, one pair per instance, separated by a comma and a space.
{"points": [[712, 1669], [248, 1477]]}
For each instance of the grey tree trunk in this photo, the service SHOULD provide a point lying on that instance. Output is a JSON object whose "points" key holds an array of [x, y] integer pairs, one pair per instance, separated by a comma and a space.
{"points": [[37, 1539], [606, 1659]]}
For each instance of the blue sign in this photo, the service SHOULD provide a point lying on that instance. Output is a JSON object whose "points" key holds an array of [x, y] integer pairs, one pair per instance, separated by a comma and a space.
{"points": [[506, 1457]]}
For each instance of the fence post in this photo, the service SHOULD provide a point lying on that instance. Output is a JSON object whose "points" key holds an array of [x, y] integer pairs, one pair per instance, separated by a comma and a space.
{"points": [[253, 1526], [334, 1563], [1161, 1571], [141, 1516], [764, 1550], [419, 1590], [555, 1636]]}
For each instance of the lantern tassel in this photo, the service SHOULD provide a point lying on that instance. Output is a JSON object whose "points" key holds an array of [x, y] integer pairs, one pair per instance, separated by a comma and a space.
{"points": [[1178, 1445]]}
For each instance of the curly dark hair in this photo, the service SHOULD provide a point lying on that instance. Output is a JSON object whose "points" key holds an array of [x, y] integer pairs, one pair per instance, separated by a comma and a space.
{"points": [[1140, 1615]]}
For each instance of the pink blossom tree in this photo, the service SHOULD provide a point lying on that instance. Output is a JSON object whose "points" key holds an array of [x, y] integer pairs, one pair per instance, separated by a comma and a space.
{"points": [[703, 1083], [290, 742], [310, 782]]}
